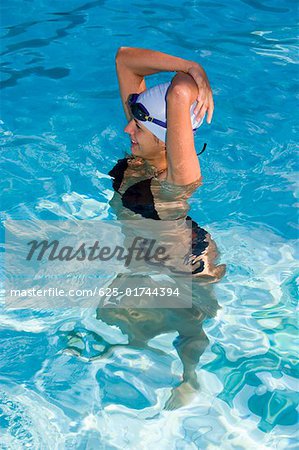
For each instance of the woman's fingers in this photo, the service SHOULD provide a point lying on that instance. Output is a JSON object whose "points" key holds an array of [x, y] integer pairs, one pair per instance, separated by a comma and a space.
{"points": [[199, 111], [210, 110], [201, 100], [198, 106], [201, 108], [204, 105], [210, 115], [202, 112], [205, 97]]}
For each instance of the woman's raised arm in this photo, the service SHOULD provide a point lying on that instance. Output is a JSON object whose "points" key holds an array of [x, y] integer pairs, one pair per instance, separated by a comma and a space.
{"points": [[182, 161], [133, 64]]}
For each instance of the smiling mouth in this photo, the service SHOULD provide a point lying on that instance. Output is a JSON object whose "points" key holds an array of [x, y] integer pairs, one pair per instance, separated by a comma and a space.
{"points": [[133, 142]]}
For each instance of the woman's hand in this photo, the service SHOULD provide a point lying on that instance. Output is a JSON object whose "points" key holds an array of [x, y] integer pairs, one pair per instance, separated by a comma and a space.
{"points": [[133, 64], [205, 97]]}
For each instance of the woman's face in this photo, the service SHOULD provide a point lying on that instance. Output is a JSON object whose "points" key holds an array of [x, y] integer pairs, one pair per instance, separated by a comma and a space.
{"points": [[143, 142]]}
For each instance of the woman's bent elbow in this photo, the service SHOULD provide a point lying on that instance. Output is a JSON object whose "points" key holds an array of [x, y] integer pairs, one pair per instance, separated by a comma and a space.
{"points": [[183, 88], [179, 92], [120, 54]]}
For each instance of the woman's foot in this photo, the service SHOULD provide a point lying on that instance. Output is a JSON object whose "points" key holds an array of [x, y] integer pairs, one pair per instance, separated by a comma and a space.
{"points": [[182, 395]]}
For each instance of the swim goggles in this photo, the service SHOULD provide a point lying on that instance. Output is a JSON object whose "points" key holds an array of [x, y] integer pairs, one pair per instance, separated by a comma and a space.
{"points": [[141, 113]]}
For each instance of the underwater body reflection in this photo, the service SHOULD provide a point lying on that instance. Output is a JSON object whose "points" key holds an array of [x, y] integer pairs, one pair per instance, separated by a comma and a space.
{"points": [[138, 195], [141, 325]]}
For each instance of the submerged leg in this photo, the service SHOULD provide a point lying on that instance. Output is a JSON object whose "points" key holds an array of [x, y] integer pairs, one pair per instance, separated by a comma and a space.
{"points": [[189, 349]]}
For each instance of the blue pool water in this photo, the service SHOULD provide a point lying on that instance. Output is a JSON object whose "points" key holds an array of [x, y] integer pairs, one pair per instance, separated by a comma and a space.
{"points": [[62, 131]]}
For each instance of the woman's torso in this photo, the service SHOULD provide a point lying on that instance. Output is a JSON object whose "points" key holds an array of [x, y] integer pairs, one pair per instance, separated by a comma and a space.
{"points": [[140, 193]]}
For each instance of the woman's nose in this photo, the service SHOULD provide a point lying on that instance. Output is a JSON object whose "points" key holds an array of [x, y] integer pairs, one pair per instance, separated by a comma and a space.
{"points": [[130, 128]]}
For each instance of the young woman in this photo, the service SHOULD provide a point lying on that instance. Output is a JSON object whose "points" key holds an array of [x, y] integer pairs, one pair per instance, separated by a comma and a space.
{"points": [[170, 150], [163, 170], [154, 182]]}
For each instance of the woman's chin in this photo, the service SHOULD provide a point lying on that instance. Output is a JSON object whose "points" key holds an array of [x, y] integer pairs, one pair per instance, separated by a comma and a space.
{"points": [[135, 149]]}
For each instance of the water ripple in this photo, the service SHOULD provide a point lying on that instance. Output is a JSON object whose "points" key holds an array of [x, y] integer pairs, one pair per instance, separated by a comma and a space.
{"points": [[62, 131]]}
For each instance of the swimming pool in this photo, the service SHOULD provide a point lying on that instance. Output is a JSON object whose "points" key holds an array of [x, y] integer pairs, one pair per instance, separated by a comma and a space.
{"points": [[62, 131]]}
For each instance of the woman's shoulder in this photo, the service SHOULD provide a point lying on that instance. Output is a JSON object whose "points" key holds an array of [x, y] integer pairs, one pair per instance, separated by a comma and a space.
{"points": [[127, 171], [128, 161]]}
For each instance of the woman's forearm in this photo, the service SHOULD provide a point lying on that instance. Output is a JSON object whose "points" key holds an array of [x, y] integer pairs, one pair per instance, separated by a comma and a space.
{"points": [[133, 64], [144, 62]]}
